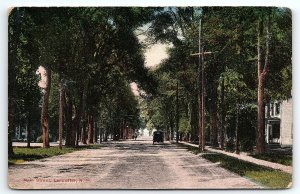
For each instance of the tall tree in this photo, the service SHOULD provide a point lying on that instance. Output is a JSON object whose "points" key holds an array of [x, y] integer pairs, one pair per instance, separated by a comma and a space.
{"points": [[262, 71], [14, 38], [45, 107], [23, 92]]}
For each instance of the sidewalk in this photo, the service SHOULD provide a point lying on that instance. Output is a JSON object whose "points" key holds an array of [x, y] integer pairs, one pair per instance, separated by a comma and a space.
{"points": [[242, 156]]}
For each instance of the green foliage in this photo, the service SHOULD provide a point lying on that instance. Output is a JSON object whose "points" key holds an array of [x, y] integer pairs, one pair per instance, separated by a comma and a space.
{"points": [[184, 125], [247, 145], [193, 150], [230, 145], [281, 158], [274, 179], [97, 54], [234, 42], [39, 139], [87, 50], [247, 127], [22, 66]]}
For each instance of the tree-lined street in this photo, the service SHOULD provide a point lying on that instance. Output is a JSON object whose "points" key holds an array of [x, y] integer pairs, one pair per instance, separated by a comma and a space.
{"points": [[81, 88], [126, 165]]}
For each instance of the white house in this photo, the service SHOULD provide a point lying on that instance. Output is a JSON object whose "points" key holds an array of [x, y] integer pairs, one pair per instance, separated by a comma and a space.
{"points": [[279, 122]]}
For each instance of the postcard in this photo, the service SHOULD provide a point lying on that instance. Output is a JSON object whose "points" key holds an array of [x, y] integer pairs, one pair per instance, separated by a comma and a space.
{"points": [[150, 98]]}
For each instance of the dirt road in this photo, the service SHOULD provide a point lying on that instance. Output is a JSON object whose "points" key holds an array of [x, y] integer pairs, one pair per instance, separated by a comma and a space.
{"points": [[125, 165]]}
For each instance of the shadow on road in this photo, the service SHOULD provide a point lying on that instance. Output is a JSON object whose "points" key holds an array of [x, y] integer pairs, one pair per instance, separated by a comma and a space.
{"points": [[142, 145]]}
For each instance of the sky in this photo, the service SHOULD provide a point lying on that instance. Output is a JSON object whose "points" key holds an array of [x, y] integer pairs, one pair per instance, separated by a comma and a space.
{"points": [[134, 88], [155, 54]]}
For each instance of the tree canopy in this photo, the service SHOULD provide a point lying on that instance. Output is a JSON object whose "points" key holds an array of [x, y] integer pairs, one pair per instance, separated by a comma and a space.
{"points": [[92, 54]]}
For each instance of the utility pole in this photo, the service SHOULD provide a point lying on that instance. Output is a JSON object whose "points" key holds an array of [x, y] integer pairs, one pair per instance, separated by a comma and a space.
{"points": [[201, 57], [201, 90], [201, 86]]}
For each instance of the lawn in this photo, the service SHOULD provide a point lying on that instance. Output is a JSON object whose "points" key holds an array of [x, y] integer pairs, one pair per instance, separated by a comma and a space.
{"points": [[22, 154], [194, 150], [281, 158], [267, 177]]}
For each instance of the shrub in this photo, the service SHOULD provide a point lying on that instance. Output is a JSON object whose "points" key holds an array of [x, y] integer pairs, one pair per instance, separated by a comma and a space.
{"points": [[247, 145], [230, 145], [39, 139]]}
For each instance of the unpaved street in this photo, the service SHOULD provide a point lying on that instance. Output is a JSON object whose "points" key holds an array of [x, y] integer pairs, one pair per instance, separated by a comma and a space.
{"points": [[125, 165]]}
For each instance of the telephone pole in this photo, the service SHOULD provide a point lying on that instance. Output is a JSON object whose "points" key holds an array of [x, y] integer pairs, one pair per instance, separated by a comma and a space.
{"points": [[201, 89], [201, 92], [201, 85]]}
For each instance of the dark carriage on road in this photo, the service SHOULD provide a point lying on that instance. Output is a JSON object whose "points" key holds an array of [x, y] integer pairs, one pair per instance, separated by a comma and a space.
{"points": [[158, 136]]}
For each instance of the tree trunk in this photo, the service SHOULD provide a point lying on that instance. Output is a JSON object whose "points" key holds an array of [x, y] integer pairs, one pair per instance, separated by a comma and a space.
{"points": [[171, 125], [29, 125], [91, 128], [11, 125], [77, 136], [194, 120], [45, 107], [95, 132], [262, 73], [83, 132], [177, 112], [61, 97], [121, 129], [260, 117], [77, 119], [106, 135], [223, 114], [73, 132], [213, 121], [237, 133], [168, 133], [190, 116], [68, 116], [76, 127], [100, 133], [12, 66]]}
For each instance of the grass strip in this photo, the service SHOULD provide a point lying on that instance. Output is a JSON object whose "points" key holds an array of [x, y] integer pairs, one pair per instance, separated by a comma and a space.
{"points": [[281, 158], [22, 154], [267, 177]]}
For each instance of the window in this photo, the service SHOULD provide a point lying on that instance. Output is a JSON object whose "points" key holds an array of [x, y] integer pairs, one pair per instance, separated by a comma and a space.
{"points": [[277, 109], [271, 110]]}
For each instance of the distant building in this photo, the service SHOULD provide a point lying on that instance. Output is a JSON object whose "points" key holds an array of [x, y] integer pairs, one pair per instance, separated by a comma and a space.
{"points": [[279, 123]]}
